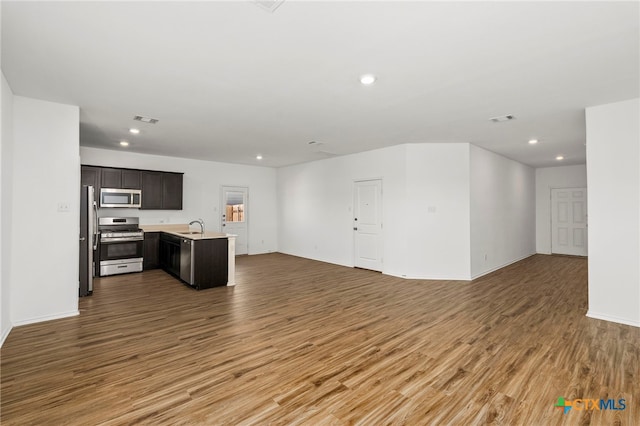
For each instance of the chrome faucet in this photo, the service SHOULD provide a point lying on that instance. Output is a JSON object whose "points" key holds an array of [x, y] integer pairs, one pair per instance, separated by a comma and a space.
{"points": [[199, 222]]}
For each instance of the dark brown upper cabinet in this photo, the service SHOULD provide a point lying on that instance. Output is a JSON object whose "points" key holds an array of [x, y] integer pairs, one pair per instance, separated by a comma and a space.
{"points": [[111, 178], [160, 190], [90, 175], [151, 190], [120, 178], [172, 191], [131, 179]]}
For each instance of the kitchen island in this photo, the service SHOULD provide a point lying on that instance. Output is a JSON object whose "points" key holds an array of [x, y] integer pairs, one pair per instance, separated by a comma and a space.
{"points": [[201, 260]]}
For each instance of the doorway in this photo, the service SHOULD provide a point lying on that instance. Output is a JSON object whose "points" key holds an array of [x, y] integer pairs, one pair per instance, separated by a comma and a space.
{"points": [[569, 221], [235, 215], [367, 224]]}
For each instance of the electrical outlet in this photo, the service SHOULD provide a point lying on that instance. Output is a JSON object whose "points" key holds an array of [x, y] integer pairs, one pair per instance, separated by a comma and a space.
{"points": [[63, 207]]}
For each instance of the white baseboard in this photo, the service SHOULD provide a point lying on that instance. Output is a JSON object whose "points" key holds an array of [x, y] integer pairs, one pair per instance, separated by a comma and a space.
{"points": [[599, 316], [5, 335], [411, 277], [504, 265], [46, 318], [317, 259]]}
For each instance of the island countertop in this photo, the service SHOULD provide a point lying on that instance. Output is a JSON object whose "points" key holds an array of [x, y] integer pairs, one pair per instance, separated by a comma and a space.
{"points": [[183, 231]]}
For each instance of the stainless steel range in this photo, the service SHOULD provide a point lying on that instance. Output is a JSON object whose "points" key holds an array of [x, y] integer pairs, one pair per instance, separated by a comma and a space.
{"points": [[121, 243]]}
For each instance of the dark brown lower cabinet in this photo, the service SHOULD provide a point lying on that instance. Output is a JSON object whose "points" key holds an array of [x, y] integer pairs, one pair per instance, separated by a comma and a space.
{"points": [[151, 251], [170, 253], [199, 263], [211, 263]]}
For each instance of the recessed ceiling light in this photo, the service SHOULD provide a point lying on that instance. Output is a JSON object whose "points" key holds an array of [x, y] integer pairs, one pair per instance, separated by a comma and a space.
{"points": [[124, 143], [368, 79], [533, 141], [134, 131], [258, 157], [559, 158]]}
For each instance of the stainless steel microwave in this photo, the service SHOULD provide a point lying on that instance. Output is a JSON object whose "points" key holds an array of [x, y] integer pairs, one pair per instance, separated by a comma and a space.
{"points": [[112, 197]]}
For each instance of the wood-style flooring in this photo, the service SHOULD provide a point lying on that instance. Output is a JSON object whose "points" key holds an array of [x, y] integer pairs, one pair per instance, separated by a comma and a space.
{"points": [[304, 342]]}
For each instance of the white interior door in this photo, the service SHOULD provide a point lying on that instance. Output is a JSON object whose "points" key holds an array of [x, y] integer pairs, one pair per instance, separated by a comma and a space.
{"points": [[235, 215], [569, 221], [367, 224]]}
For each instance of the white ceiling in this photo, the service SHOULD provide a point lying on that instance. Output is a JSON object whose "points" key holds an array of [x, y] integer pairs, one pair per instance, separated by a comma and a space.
{"points": [[229, 80]]}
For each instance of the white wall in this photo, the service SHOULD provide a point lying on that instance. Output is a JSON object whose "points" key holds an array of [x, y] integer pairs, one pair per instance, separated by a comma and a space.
{"points": [[46, 173], [316, 206], [502, 211], [437, 211], [202, 188], [546, 179], [613, 167], [6, 179]]}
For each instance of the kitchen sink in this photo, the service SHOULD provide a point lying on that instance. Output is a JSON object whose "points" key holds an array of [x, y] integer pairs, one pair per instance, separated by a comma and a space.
{"points": [[190, 233]]}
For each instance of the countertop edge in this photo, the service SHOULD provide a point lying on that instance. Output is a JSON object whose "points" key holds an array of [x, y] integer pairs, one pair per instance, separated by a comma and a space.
{"points": [[177, 231]]}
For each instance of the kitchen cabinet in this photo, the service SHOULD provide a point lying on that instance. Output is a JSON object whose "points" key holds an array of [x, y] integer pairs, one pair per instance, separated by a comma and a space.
{"points": [[151, 251], [170, 253], [120, 178], [130, 179], [202, 263], [172, 191], [90, 175], [151, 190], [210, 263], [110, 178], [161, 190]]}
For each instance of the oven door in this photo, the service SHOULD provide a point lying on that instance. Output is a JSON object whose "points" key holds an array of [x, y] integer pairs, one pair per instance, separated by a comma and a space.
{"points": [[120, 256], [117, 250]]}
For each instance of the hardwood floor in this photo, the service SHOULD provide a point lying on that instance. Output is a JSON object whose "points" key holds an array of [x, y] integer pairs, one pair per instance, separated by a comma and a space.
{"points": [[303, 342]]}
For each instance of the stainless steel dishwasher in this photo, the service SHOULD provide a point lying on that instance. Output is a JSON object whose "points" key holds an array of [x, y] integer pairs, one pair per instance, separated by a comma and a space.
{"points": [[186, 261]]}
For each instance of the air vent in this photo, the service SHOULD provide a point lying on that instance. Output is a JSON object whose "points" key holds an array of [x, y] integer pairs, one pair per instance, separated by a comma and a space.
{"points": [[146, 119], [502, 118], [269, 5], [321, 148]]}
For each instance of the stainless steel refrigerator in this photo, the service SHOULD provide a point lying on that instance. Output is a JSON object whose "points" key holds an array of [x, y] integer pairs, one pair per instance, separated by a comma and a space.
{"points": [[88, 238]]}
